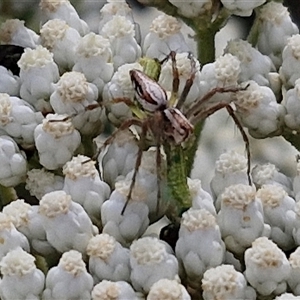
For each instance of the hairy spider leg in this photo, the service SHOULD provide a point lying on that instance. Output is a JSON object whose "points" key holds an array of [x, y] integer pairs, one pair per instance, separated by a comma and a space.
{"points": [[158, 172], [197, 106], [138, 161], [69, 117], [202, 115], [188, 83], [156, 124], [245, 138], [153, 123], [175, 83], [125, 125]]}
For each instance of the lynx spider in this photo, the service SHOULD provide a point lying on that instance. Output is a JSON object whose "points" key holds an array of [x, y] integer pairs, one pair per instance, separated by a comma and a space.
{"points": [[163, 116]]}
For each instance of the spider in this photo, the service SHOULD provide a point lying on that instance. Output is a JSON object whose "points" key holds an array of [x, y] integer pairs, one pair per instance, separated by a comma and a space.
{"points": [[163, 118]]}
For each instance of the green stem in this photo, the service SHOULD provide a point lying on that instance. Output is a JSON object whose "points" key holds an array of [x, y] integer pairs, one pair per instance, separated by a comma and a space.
{"points": [[177, 181], [88, 145], [205, 46], [7, 195], [294, 139], [190, 152]]}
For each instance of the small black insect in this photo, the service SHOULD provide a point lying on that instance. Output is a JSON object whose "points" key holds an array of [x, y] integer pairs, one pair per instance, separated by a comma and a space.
{"points": [[9, 56]]}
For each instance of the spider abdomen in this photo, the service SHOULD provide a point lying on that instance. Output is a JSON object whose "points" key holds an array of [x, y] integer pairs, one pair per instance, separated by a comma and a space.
{"points": [[149, 93]]}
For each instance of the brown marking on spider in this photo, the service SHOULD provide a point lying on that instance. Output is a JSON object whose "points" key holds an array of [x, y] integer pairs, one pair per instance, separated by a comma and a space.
{"points": [[165, 121]]}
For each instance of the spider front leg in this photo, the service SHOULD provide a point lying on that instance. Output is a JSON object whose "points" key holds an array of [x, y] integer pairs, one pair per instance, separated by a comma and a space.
{"points": [[175, 83], [175, 100], [125, 125], [197, 107], [210, 110], [158, 168], [137, 164], [245, 138], [188, 83], [158, 174]]}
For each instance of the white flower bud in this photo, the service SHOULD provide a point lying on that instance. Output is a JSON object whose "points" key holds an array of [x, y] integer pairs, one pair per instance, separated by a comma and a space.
{"points": [[120, 86], [13, 162], [27, 220], [109, 290], [164, 36], [276, 203], [254, 65], [37, 72], [18, 119], [289, 70], [269, 174], [134, 222], [224, 282], [168, 289], [10, 237], [61, 39], [56, 141], [72, 95], [296, 182], [258, 110], [274, 28], [14, 32], [293, 280], [63, 10], [83, 184], [200, 198], [114, 8], [108, 259], [287, 296], [66, 223], [9, 83], [94, 60], [20, 277], [192, 9], [242, 8], [231, 168], [241, 218], [196, 258], [120, 31], [146, 181], [40, 182], [294, 219], [120, 157], [267, 268], [150, 262], [225, 71], [183, 64], [69, 280], [292, 105]]}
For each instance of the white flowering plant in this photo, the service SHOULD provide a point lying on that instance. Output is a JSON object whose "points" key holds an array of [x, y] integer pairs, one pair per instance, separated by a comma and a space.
{"points": [[99, 131]]}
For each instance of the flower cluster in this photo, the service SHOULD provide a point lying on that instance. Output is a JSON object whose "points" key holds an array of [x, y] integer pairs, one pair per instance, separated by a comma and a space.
{"points": [[84, 216]]}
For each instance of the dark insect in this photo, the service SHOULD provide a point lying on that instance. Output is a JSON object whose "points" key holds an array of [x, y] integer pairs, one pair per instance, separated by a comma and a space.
{"points": [[9, 56]]}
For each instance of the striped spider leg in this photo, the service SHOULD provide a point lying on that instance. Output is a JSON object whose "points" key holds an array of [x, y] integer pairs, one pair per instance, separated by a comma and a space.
{"points": [[199, 111]]}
